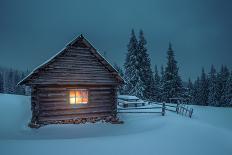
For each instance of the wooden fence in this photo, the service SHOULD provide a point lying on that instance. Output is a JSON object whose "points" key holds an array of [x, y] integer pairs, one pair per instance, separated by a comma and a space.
{"points": [[178, 108], [182, 109], [128, 110]]}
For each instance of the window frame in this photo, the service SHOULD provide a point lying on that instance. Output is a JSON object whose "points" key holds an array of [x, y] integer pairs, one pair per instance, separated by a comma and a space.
{"points": [[75, 90]]}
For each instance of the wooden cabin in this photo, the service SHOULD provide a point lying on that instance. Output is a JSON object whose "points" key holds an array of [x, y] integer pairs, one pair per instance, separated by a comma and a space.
{"points": [[77, 85]]}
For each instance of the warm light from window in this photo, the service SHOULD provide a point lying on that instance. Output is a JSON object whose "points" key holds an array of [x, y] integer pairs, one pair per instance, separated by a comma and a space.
{"points": [[79, 96]]}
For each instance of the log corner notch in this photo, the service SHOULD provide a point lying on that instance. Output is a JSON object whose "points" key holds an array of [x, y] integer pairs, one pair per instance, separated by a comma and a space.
{"points": [[79, 66], [34, 123]]}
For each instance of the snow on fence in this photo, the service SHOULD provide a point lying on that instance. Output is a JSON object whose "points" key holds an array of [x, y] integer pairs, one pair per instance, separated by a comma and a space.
{"points": [[149, 109], [181, 109]]}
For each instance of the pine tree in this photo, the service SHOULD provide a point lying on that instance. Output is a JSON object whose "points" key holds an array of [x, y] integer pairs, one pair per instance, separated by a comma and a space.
{"points": [[119, 70], [17, 77], [196, 92], [129, 65], [225, 75], [218, 88], [190, 84], [9, 79], [172, 86], [189, 91], [228, 92], [162, 72], [203, 94], [10, 82], [134, 84], [27, 88], [157, 85], [145, 70], [161, 83], [1, 83], [157, 76], [222, 77], [212, 99], [19, 89]]}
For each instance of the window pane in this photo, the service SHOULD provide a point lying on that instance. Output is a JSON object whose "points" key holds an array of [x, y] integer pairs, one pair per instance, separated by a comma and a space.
{"points": [[85, 94], [72, 94], [78, 93], [72, 100], [85, 100], [78, 100]]}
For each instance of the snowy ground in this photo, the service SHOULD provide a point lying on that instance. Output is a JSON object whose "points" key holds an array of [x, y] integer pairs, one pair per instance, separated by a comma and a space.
{"points": [[209, 132]]}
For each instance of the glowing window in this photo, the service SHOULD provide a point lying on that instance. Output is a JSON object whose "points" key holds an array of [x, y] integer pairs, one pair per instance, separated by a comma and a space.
{"points": [[78, 96]]}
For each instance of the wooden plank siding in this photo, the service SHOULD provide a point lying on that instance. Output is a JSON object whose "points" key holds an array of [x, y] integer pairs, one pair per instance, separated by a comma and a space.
{"points": [[74, 66], [54, 104]]}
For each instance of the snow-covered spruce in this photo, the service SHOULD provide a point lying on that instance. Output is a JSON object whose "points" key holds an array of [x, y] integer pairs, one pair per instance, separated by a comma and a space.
{"points": [[134, 84], [172, 83]]}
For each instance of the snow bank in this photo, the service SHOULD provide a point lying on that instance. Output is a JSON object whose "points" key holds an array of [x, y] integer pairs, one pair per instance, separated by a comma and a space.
{"points": [[216, 116], [172, 134]]}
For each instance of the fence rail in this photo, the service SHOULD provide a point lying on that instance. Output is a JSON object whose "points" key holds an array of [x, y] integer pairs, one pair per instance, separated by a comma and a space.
{"points": [[184, 110], [181, 109], [162, 110]]}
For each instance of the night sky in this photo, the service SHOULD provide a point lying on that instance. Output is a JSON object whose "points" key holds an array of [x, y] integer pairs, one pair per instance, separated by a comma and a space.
{"points": [[200, 30]]}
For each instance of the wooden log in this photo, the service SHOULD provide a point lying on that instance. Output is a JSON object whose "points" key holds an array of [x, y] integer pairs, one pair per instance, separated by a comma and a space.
{"points": [[73, 112], [70, 107], [68, 117]]}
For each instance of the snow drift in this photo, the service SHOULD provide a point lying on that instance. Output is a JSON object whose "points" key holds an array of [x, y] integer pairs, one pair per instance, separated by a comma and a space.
{"points": [[208, 132]]}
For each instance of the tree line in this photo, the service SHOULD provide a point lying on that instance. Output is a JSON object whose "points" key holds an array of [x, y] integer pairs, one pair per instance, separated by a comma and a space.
{"points": [[213, 89], [9, 79]]}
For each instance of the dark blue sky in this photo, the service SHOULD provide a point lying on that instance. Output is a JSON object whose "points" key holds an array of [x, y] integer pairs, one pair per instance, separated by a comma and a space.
{"points": [[200, 30]]}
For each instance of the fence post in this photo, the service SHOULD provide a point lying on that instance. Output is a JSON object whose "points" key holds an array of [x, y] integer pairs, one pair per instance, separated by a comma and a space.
{"points": [[177, 108], [187, 110], [163, 109], [190, 113], [183, 110]]}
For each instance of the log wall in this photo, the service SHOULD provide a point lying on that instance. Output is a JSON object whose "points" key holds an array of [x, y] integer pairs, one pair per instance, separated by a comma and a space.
{"points": [[74, 66], [53, 104]]}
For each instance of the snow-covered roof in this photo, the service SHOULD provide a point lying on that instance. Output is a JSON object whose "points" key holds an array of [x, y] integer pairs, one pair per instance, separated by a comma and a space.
{"points": [[128, 97], [98, 55], [41, 65]]}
